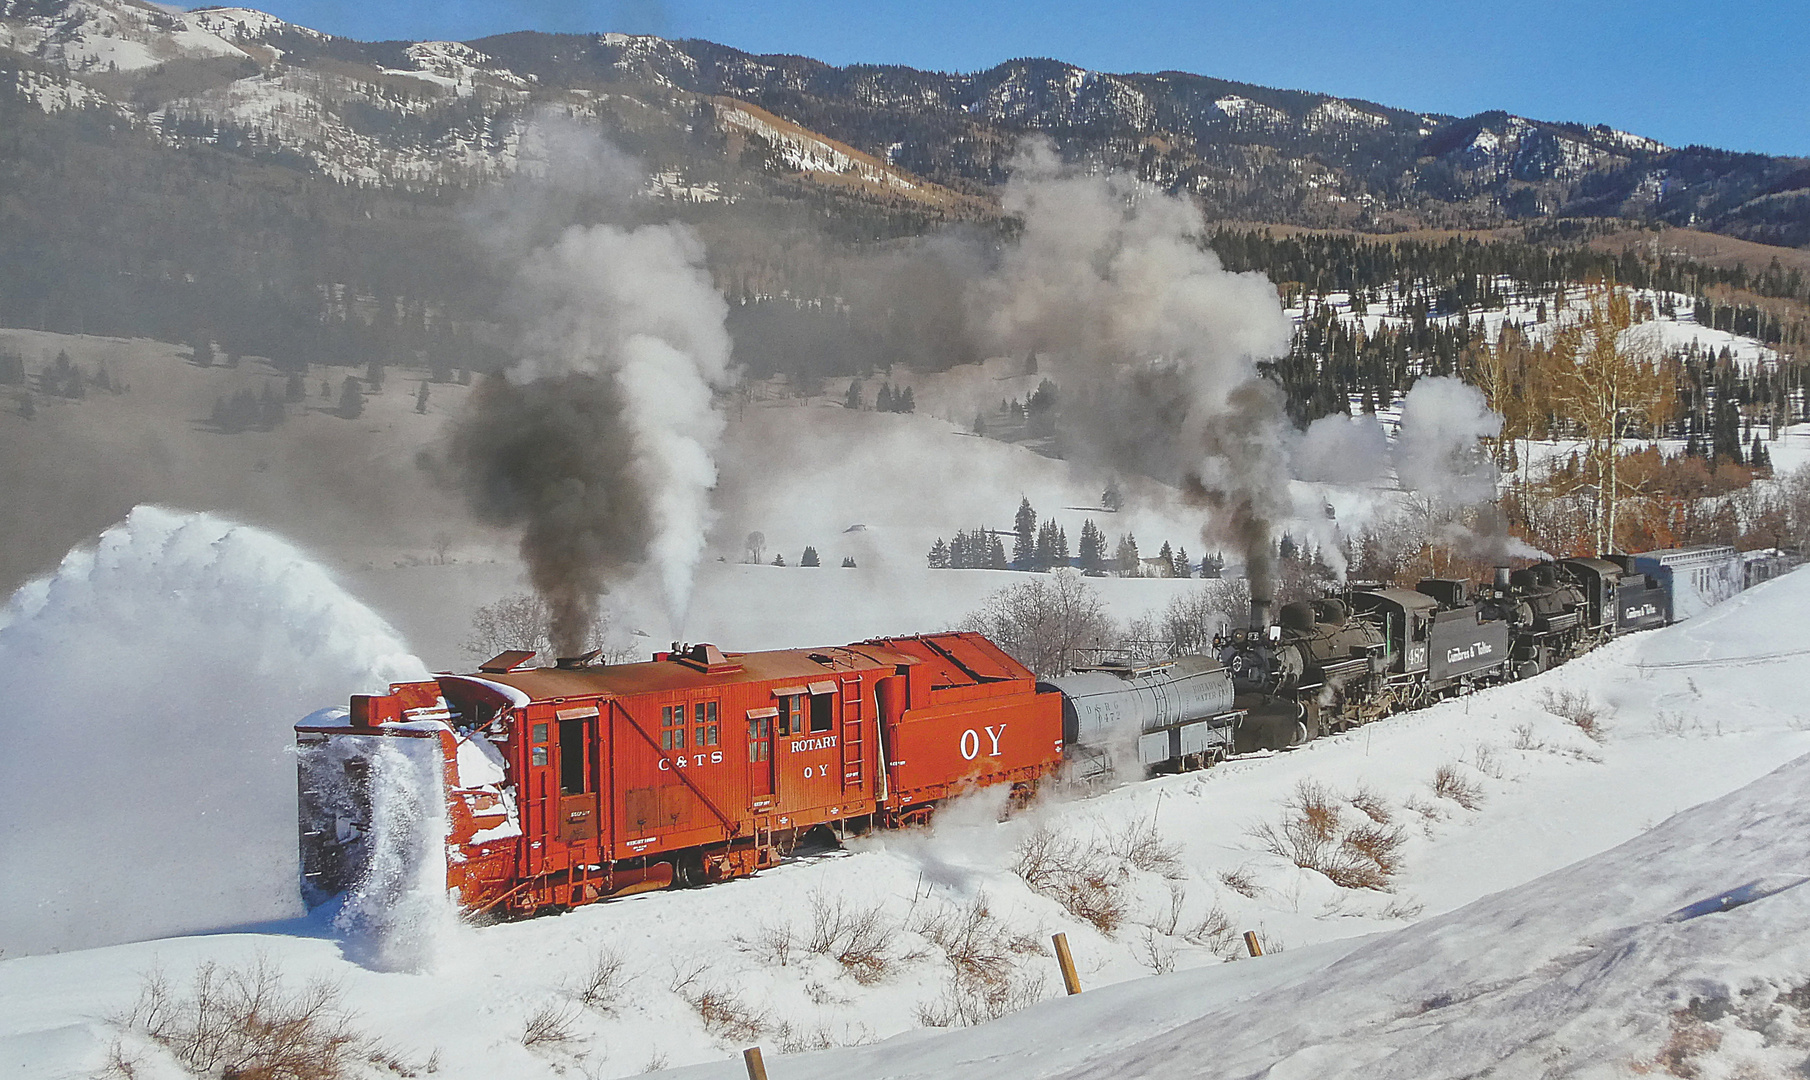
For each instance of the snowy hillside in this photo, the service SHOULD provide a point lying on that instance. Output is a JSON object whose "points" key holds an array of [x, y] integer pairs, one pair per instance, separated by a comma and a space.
{"points": [[1684, 715]]}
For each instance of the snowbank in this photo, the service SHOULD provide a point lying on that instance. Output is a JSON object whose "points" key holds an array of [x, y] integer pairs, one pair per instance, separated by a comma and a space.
{"points": [[144, 753]]}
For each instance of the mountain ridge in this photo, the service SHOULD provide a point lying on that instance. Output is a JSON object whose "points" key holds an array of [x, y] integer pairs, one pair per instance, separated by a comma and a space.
{"points": [[429, 113]]}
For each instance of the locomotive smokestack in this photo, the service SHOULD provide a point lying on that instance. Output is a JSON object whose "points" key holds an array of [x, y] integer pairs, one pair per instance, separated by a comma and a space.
{"points": [[1260, 614], [1502, 573]]}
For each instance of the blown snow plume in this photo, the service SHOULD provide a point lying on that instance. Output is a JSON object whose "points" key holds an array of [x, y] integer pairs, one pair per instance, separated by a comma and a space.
{"points": [[1115, 274], [1439, 455], [156, 678], [600, 442]]}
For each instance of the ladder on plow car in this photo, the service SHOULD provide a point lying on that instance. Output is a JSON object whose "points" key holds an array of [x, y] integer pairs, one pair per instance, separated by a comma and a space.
{"points": [[853, 741]]}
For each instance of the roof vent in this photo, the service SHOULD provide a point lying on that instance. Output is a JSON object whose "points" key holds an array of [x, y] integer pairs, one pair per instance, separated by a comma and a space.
{"points": [[706, 658], [570, 663], [505, 662]]}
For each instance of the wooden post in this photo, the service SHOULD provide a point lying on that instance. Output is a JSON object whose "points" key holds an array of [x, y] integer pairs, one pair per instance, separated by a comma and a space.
{"points": [[1251, 943], [1069, 979], [756, 1069]]}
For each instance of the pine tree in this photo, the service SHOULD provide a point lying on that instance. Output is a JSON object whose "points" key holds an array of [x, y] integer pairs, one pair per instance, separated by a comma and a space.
{"points": [[1167, 554], [1110, 498], [996, 555], [374, 375], [1183, 567], [883, 400], [293, 388], [1024, 525], [1213, 566], [939, 554], [809, 558], [1043, 554], [1126, 557], [204, 353], [852, 400], [906, 402], [1093, 549], [1062, 552], [959, 558], [848, 562], [351, 399]]}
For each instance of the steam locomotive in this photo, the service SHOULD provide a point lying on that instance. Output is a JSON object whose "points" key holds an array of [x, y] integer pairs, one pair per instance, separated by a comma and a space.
{"points": [[1331, 664], [568, 784]]}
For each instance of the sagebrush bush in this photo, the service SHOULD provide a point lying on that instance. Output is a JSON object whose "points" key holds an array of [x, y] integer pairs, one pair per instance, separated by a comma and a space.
{"points": [[1449, 782], [1316, 834], [1084, 876], [246, 1022], [1578, 709]]}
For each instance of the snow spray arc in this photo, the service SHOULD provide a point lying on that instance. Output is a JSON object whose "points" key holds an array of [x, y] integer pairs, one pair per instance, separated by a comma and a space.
{"points": [[396, 910], [156, 673], [600, 440]]}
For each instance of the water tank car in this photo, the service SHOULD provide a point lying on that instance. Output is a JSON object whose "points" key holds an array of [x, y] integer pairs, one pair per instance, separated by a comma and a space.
{"points": [[1174, 715]]}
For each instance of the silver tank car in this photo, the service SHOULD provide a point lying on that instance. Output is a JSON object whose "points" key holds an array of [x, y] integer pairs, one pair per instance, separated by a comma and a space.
{"points": [[1179, 712]]}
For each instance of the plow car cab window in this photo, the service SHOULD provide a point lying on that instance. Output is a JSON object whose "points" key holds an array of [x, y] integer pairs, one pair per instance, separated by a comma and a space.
{"points": [[791, 714], [672, 727], [537, 753], [822, 712]]}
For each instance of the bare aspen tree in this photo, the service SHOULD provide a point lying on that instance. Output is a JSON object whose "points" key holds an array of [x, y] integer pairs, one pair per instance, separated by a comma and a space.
{"points": [[1609, 387]]}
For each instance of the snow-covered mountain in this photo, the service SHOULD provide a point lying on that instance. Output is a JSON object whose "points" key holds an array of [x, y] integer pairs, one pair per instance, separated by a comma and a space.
{"points": [[430, 114]]}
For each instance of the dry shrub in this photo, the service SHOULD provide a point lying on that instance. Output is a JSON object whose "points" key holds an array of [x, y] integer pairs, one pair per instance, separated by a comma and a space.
{"points": [[1484, 760], [1402, 907], [1140, 846], [1524, 738], [858, 938], [1576, 708], [724, 1013], [965, 1002], [1370, 804], [1450, 783], [772, 943], [798, 1040], [1240, 881], [1166, 922], [1213, 930], [1084, 876], [602, 984], [986, 974], [977, 943], [1154, 951], [245, 1022], [549, 1026], [1315, 835]]}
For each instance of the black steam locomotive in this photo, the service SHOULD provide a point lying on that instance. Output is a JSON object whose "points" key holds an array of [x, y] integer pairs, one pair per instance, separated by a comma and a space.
{"points": [[1331, 664]]}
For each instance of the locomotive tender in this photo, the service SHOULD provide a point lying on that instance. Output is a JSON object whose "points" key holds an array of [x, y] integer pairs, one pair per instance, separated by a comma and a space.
{"points": [[568, 784]]}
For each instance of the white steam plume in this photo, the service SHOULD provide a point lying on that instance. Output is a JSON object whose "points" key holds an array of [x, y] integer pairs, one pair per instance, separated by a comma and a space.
{"points": [[1114, 272], [1439, 455], [146, 756]]}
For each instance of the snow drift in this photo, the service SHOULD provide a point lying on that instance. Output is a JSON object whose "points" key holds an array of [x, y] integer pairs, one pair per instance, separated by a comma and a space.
{"points": [[145, 754]]}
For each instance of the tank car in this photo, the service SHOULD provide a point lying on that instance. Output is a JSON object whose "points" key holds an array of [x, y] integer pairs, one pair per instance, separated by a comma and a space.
{"points": [[1171, 716]]}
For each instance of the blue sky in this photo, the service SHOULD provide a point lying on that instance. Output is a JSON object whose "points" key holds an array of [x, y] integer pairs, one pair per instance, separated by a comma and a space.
{"points": [[1731, 74]]}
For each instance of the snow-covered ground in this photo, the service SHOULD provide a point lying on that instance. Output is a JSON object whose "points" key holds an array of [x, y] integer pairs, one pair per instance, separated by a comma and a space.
{"points": [[1691, 713]]}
